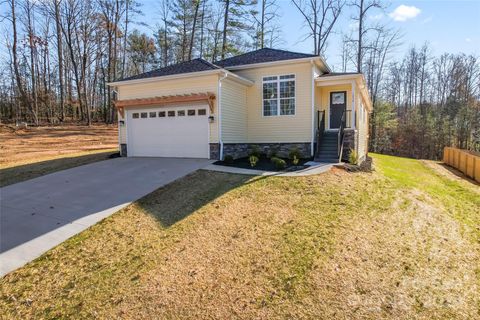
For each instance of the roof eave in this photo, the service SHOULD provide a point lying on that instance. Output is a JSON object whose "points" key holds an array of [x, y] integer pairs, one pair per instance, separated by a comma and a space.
{"points": [[239, 79], [278, 62], [164, 78], [358, 78], [235, 77]]}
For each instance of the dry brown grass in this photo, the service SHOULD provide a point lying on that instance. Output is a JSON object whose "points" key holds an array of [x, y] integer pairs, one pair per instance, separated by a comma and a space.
{"points": [[24, 146], [33, 152], [222, 246]]}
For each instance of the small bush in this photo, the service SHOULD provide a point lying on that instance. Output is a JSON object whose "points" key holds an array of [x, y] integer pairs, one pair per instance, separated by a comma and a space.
{"points": [[279, 163], [294, 153], [255, 151], [272, 153], [295, 160], [253, 160], [228, 159], [353, 157]]}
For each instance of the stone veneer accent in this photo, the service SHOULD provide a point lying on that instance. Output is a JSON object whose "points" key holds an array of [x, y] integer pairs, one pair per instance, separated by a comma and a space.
{"points": [[123, 150], [240, 150], [214, 151], [350, 139]]}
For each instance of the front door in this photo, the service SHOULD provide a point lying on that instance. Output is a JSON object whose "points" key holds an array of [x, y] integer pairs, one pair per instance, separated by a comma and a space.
{"points": [[338, 105]]}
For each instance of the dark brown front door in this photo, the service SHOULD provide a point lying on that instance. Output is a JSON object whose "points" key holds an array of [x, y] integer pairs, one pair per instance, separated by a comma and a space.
{"points": [[338, 105]]}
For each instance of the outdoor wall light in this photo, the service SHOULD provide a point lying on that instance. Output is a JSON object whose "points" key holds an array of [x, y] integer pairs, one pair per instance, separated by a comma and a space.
{"points": [[211, 119], [121, 123]]}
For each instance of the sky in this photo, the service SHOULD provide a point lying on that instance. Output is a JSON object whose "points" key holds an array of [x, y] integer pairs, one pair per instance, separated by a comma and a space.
{"points": [[451, 26]]}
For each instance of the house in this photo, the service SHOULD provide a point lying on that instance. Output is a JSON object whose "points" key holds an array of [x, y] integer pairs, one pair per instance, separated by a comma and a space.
{"points": [[274, 99]]}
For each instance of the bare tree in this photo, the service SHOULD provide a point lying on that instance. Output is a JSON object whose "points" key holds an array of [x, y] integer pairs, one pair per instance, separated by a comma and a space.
{"points": [[264, 20], [363, 7], [320, 17], [196, 4], [19, 81], [60, 57]]}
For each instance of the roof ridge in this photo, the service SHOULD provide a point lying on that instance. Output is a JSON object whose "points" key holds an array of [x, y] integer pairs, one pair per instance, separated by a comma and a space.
{"points": [[208, 63], [265, 48]]}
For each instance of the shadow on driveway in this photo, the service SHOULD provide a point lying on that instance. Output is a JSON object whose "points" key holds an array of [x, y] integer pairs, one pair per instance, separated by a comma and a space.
{"points": [[38, 214]]}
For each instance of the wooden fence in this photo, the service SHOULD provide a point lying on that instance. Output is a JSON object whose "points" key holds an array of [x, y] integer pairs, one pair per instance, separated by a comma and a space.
{"points": [[465, 161]]}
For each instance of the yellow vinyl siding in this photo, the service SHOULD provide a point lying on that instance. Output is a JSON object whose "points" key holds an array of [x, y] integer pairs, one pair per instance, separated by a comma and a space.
{"points": [[292, 128], [234, 112], [323, 95], [207, 83]]}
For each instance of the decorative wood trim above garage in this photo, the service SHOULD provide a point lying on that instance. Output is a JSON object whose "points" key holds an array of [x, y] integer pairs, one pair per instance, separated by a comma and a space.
{"points": [[208, 97]]}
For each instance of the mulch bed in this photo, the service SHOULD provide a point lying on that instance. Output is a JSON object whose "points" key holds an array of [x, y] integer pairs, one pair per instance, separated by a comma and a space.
{"points": [[264, 164]]}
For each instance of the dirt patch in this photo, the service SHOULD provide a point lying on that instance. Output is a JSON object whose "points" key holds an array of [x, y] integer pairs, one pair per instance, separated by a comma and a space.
{"points": [[411, 262], [22, 146]]}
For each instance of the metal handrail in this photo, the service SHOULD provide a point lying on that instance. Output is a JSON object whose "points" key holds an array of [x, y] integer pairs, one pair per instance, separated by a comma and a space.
{"points": [[340, 137], [320, 128]]}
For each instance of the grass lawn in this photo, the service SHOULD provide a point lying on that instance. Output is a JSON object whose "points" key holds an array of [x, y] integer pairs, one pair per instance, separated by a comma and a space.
{"points": [[33, 152], [399, 243]]}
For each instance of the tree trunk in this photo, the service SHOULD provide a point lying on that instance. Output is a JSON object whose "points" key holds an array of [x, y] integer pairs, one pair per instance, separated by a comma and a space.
{"points": [[32, 64], [192, 38], [225, 23], [20, 87], [60, 60], [360, 36], [201, 29]]}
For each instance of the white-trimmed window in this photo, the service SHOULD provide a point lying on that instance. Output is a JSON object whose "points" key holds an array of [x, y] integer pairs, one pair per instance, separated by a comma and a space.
{"points": [[279, 95]]}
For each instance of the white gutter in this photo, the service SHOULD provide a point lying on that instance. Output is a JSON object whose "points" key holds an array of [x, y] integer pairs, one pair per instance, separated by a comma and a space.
{"points": [[219, 105]]}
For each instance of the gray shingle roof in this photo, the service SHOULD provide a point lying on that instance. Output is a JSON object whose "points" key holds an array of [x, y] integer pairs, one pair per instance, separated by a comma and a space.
{"points": [[333, 74], [262, 55], [195, 65]]}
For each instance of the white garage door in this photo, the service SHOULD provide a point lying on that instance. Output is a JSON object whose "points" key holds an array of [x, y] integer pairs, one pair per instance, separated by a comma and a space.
{"points": [[177, 131]]}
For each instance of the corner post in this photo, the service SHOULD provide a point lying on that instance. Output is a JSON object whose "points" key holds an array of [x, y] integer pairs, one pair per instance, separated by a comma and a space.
{"points": [[352, 120]]}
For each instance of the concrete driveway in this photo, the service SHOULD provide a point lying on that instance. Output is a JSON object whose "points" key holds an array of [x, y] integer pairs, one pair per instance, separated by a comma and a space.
{"points": [[38, 214]]}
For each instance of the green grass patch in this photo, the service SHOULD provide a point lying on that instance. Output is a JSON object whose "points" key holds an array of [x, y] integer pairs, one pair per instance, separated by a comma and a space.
{"points": [[461, 202]]}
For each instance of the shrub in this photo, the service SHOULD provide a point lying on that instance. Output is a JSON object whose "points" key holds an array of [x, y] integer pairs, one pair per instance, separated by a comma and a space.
{"points": [[228, 159], [353, 157], [255, 151], [272, 154], [294, 155], [279, 163], [295, 160], [253, 160]]}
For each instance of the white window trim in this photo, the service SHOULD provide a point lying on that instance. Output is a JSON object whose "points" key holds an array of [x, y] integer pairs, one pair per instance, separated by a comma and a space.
{"points": [[277, 81]]}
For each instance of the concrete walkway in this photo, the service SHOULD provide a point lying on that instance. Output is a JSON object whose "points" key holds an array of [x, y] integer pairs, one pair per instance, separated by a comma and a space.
{"points": [[38, 214], [314, 168]]}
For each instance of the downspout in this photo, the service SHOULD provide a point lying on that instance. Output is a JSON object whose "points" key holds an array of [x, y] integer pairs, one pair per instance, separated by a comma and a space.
{"points": [[219, 103], [313, 108]]}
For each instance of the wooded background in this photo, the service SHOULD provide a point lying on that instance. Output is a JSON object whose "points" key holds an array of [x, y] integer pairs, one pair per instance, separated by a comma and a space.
{"points": [[61, 53]]}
